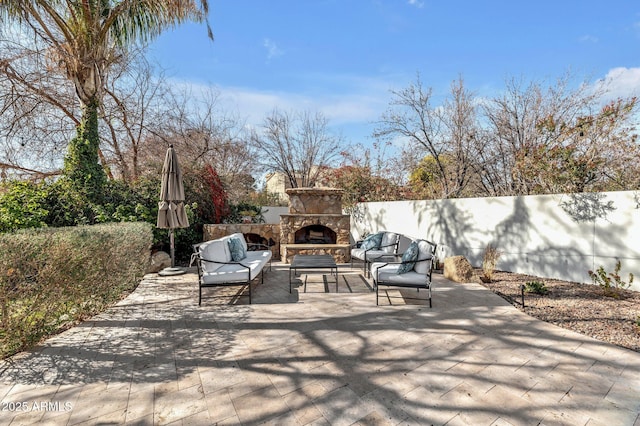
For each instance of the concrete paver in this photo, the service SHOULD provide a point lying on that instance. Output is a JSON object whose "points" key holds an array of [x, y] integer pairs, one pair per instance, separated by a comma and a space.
{"points": [[318, 357]]}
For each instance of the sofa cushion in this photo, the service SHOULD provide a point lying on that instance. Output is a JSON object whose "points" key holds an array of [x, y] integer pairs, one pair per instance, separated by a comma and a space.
{"points": [[409, 256], [216, 251], [373, 241], [247, 269], [388, 273], [424, 253], [359, 253], [262, 255], [237, 249]]}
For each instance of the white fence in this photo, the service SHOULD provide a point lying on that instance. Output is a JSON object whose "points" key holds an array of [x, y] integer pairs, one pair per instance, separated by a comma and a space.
{"points": [[551, 236]]}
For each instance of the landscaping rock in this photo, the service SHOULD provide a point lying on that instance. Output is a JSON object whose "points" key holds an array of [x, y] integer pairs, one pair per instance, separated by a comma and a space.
{"points": [[159, 261], [458, 269]]}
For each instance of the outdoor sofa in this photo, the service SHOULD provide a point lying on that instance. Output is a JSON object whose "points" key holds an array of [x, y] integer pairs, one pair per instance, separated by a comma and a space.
{"points": [[412, 270], [381, 245], [229, 261]]}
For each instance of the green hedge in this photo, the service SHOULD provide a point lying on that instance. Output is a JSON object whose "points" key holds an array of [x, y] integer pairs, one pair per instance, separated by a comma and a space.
{"points": [[51, 278]]}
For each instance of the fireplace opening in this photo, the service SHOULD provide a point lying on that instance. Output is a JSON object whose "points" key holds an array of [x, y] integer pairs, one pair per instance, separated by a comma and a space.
{"points": [[315, 234]]}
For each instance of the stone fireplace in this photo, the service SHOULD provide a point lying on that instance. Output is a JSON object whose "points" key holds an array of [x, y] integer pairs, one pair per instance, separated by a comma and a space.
{"points": [[315, 224]]}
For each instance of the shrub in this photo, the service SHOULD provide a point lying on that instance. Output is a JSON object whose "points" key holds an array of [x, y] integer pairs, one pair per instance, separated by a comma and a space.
{"points": [[66, 206], [51, 278], [240, 210], [61, 204], [537, 287], [205, 188], [22, 205], [611, 283], [490, 261]]}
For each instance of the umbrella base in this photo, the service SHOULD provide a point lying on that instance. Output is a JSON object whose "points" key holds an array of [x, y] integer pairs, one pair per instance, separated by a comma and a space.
{"points": [[168, 272]]}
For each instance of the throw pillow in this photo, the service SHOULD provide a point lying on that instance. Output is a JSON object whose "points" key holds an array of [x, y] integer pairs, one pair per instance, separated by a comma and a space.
{"points": [[373, 241], [409, 256], [237, 249]]}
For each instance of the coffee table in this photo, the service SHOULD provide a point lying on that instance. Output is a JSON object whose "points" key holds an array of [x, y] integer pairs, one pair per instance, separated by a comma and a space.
{"points": [[312, 262]]}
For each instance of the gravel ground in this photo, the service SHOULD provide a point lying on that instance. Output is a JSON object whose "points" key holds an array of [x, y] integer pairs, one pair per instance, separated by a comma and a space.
{"points": [[582, 308]]}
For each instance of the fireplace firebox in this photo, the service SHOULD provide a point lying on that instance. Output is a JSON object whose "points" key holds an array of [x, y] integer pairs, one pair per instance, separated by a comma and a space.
{"points": [[315, 234]]}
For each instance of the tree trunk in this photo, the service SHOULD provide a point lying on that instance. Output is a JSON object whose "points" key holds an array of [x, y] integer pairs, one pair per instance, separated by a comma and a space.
{"points": [[81, 164]]}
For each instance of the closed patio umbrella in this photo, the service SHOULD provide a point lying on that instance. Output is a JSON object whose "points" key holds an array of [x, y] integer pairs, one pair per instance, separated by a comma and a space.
{"points": [[171, 211]]}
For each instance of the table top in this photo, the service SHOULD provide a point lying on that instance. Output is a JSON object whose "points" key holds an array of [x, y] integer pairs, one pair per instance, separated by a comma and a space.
{"points": [[313, 261]]}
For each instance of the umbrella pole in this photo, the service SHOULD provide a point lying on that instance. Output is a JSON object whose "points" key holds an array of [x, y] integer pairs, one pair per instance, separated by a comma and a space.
{"points": [[173, 250], [172, 270]]}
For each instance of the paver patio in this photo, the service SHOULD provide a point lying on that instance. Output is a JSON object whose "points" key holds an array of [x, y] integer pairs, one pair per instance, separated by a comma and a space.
{"points": [[319, 357]]}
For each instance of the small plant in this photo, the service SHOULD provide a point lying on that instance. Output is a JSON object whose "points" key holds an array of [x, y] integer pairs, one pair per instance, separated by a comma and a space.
{"points": [[244, 213], [611, 283], [489, 261], [537, 287]]}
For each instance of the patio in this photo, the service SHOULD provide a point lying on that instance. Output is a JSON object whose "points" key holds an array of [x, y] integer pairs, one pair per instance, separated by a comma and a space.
{"points": [[319, 357]]}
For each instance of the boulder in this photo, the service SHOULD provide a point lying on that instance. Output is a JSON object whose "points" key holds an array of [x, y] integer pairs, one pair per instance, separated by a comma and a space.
{"points": [[458, 269], [159, 261]]}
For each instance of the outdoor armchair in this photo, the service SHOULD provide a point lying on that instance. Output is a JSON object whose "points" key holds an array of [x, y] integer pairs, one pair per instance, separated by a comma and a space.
{"points": [[413, 270], [382, 245]]}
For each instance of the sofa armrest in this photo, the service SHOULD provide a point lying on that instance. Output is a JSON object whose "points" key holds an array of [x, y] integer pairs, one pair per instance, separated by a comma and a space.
{"points": [[405, 262], [357, 244], [218, 262]]}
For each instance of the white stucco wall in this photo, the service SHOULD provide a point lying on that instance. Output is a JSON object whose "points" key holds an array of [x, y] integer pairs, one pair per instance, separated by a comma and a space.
{"points": [[272, 214], [552, 236]]}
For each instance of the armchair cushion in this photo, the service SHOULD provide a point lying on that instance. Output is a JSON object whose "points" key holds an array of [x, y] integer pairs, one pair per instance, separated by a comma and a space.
{"points": [[387, 274], [389, 241], [425, 252]]}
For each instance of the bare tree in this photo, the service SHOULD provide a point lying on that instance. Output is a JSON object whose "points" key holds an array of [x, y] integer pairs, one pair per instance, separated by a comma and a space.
{"points": [[140, 114], [554, 139], [367, 174], [445, 134], [132, 109], [203, 134], [300, 146], [37, 109], [460, 120]]}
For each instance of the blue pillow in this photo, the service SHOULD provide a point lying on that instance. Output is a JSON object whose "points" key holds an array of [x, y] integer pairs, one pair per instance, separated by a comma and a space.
{"points": [[409, 256], [373, 241], [237, 249]]}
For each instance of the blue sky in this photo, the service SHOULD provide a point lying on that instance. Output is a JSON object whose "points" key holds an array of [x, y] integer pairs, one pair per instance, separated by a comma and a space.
{"points": [[342, 57]]}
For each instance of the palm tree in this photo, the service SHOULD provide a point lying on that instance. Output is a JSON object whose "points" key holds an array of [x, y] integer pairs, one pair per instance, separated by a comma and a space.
{"points": [[85, 37]]}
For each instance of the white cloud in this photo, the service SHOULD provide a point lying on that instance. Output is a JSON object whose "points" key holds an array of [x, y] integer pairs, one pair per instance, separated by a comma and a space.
{"points": [[416, 3], [588, 38], [273, 50], [620, 82], [351, 106], [255, 105]]}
